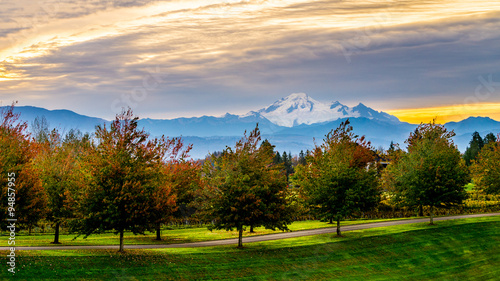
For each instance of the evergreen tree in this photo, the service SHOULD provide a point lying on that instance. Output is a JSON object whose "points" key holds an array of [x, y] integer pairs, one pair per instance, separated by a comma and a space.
{"points": [[475, 146], [489, 138], [287, 163], [277, 158], [302, 158]]}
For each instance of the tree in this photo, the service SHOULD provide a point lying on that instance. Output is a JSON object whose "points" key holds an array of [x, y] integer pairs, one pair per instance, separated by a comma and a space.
{"points": [[246, 188], [287, 163], [486, 170], [125, 180], [186, 181], [489, 138], [277, 158], [475, 146], [431, 173], [17, 151], [340, 178], [59, 163], [302, 158], [173, 181], [40, 129]]}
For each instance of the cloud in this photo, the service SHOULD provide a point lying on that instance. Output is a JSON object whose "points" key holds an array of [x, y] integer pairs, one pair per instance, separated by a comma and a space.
{"points": [[220, 56]]}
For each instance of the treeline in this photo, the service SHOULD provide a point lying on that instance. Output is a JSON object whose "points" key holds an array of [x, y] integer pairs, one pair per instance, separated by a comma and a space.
{"points": [[121, 179]]}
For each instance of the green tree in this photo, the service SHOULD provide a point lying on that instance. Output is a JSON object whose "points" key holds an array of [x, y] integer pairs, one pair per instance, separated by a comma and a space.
{"points": [[246, 188], [486, 170], [287, 164], [340, 178], [277, 158], [431, 173], [489, 138], [125, 169], [59, 164], [302, 158], [475, 146], [17, 151]]}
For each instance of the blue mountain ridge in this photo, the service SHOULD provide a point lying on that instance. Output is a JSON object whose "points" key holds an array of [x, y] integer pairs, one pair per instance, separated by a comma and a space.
{"points": [[210, 134]]}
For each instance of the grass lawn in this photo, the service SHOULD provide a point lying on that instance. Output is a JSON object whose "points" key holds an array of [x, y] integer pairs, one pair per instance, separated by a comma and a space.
{"points": [[169, 236], [466, 249]]}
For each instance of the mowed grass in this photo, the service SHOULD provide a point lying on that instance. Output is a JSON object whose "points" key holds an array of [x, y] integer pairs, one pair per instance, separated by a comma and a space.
{"points": [[466, 249], [169, 236]]}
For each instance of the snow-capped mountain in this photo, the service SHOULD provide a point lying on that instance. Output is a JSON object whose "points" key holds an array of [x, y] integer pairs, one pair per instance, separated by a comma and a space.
{"points": [[291, 124], [297, 109]]}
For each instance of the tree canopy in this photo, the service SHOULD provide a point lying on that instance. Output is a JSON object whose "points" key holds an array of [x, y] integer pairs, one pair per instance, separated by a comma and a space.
{"points": [[486, 170], [340, 178], [17, 151], [431, 173], [125, 170], [247, 188]]}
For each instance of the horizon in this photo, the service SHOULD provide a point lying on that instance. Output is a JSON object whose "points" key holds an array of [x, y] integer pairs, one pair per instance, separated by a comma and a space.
{"points": [[172, 59], [429, 117]]}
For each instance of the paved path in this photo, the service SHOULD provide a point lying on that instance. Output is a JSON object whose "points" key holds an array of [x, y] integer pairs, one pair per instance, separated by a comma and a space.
{"points": [[260, 238]]}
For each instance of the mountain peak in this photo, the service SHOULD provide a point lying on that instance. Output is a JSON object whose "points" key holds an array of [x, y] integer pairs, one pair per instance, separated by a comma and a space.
{"points": [[299, 108], [297, 96]]}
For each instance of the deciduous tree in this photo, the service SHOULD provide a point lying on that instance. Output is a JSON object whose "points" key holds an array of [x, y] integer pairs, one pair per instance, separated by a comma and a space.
{"points": [[125, 169], [486, 170], [59, 164], [431, 173], [17, 151], [340, 178], [246, 188]]}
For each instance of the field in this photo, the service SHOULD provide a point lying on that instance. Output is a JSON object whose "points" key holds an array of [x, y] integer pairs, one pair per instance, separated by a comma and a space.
{"points": [[169, 235], [465, 249]]}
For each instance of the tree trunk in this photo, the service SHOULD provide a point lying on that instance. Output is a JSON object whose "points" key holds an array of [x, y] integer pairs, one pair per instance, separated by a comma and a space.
{"points": [[56, 235], [331, 220], [431, 209], [121, 242], [251, 229], [420, 210], [158, 232], [338, 227], [240, 238]]}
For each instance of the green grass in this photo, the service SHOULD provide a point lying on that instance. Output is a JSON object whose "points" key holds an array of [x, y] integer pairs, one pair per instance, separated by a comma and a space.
{"points": [[467, 249], [169, 236]]}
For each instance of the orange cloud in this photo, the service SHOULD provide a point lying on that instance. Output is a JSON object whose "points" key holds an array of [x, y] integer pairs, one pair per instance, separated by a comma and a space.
{"points": [[444, 114]]}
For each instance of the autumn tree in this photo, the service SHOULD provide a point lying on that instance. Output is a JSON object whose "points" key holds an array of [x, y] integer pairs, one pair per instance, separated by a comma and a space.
{"points": [[185, 177], [431, 173], [59, 164], [340, 178], [486, 170], [126, 179], [17, 151], [246, 188], [174, 180]]}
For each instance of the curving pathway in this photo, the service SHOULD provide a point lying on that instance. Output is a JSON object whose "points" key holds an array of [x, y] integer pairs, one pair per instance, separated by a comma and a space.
{"points": [[268, 237]]}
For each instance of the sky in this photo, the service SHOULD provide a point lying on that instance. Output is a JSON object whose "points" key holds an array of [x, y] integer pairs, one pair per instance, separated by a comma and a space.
{"points": [[165, 59]]}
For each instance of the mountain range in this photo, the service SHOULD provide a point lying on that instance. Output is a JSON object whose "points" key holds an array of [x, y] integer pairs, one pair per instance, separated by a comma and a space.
{"points": [[292, 124]]}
